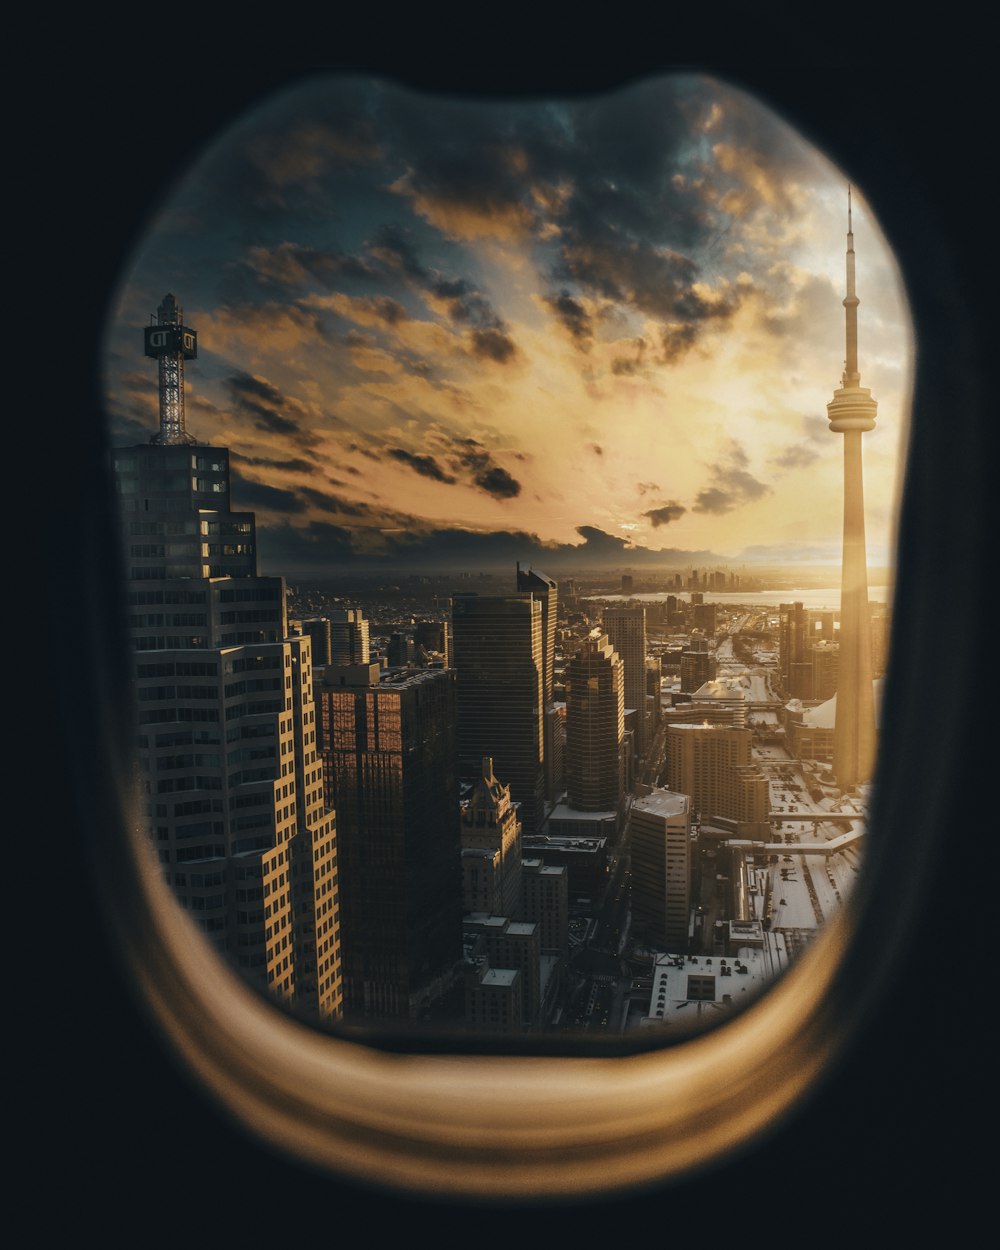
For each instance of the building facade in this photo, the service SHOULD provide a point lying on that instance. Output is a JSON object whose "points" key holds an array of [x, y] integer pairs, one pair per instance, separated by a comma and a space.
{"points": [[595, 726], [389, 754], [661, 868], [232, 787], [499, 660], [712, 764], [490, 825], [626, 630]]}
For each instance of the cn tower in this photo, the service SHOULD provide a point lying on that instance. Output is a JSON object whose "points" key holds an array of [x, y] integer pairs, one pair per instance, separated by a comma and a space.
{"points": [[851, 412]]}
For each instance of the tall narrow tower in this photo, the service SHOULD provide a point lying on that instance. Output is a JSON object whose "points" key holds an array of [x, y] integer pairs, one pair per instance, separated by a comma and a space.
{"points": [[851, 412]]}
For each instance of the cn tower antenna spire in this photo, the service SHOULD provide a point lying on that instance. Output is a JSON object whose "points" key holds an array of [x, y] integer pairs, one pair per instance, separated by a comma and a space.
{"points": [[171, 342], [851, 412]]}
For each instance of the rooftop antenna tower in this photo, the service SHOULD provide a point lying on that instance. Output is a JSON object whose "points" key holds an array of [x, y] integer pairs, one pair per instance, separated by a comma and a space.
{"points": [[171, 342]]}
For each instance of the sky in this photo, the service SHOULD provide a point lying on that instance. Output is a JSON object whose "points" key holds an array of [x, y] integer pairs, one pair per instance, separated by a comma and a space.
{"points": [[592, 332]]}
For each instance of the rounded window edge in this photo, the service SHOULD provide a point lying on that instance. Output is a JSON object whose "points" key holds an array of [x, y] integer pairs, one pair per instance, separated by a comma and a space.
{"points": [[490, 1127], [275, 1110]]}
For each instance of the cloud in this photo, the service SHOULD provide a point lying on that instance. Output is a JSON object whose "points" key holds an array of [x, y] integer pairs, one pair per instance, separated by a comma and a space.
{"points": [[293, 266], [248, 495], [494, 344], [574, 317], [798, 456], [270, 410], [665, 514], [427, 466], [292, 464], [731, 485], [468, 457], [498, 483], [333, 503]]}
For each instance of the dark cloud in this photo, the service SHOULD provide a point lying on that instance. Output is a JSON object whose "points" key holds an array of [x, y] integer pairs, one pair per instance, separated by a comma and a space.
{"points": [[249, 495], [597, 449], [665, 514], [470, 455], [394, 247], [333, 503], [645, 487], [288, 264], [269, 409], [407, 543], [427, 466], [289, 465], [498, 483], [597, 541], [798, 456], [573, 317], [387, 309], [624, 366], [730, 483], [494, 345]]}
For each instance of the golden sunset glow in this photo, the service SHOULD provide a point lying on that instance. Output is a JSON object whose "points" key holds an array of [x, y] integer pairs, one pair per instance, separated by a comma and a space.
{"points": [[606, 327]]}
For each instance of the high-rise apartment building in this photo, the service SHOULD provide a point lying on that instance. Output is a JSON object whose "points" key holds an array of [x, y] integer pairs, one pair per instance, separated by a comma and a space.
{"points": [[349, 641], [661, 868], [712, 764], [595, 726], [499, 660], [389, 752], [626, 630], [233, 792]]}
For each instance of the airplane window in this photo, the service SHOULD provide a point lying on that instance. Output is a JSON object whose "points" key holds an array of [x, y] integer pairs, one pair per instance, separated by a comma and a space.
{"points": [[507, 498]]}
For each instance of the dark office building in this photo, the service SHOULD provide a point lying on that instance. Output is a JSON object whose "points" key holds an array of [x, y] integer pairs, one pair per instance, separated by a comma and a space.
{"points": [[595, 726], [498, 657], [389, 749]]}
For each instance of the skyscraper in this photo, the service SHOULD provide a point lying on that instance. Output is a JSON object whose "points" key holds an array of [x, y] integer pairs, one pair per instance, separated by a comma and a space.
{"points": [[389, 752], [595, 726], [626, 629], [232, 787], [349, 641], [851, 412], [499, 660], [713, 765], [795, 664], [490, 824], [660, 862], [545, 588]]}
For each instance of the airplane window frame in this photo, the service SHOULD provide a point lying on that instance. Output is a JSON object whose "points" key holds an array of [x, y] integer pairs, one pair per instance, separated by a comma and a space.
{"points": [[590, 1139]]}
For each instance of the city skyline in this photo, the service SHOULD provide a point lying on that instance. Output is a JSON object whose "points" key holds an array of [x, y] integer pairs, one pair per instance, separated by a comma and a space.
{"points": [[587, 333]]}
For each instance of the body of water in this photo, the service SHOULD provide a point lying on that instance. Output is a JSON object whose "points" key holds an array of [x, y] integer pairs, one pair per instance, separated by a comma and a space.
{"points": [[822, 600]]}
